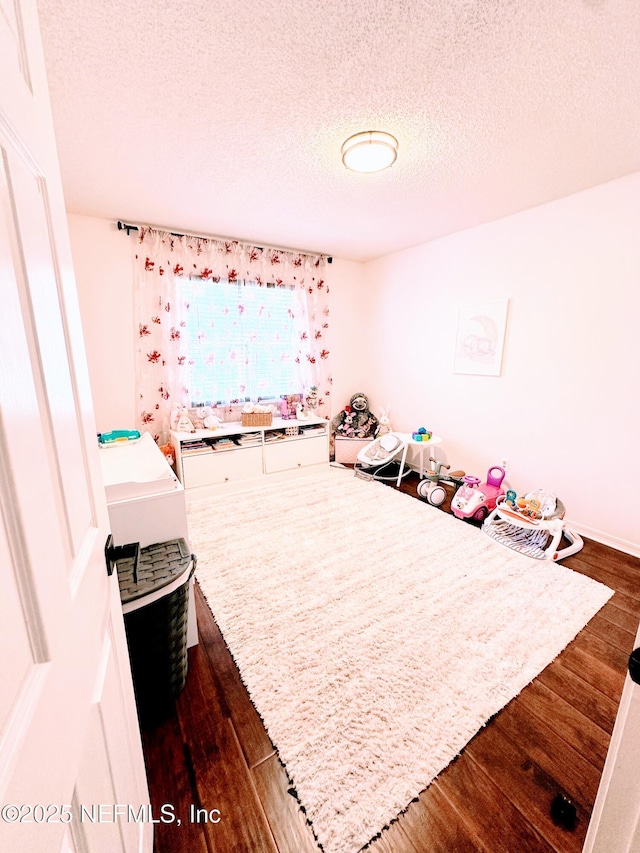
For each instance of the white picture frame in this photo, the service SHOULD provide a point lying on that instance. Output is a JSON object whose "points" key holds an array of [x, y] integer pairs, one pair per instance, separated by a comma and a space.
{"points": [[480, 338]]}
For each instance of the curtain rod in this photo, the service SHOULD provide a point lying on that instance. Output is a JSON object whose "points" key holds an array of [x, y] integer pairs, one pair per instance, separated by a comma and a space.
{"points": [[123, 226]]}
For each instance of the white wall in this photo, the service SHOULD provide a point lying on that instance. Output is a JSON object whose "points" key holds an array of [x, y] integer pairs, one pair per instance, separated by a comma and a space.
{"points": [[350, 350], [104, 274], [566, 409]]}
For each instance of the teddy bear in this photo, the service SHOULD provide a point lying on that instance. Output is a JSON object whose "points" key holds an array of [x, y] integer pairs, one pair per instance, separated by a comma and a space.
{"points": [[209, 420]]}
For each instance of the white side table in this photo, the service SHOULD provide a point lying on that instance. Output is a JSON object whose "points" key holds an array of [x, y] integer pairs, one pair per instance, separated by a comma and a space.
{"points": [[408, 437]]}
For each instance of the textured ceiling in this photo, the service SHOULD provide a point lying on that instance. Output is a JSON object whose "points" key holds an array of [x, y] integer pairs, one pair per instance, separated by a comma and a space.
{"points": [[226, 117]]}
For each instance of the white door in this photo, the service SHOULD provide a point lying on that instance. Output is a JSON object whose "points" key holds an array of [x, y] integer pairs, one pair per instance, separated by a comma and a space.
{"points": [[615, 822], [69, 741]]}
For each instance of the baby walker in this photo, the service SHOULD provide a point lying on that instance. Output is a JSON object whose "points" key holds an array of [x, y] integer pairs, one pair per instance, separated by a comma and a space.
{"points": [[532, 525]]}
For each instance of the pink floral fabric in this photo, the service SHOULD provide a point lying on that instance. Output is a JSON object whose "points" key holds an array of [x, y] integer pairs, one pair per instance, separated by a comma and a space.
{"points": [[162, 352]]}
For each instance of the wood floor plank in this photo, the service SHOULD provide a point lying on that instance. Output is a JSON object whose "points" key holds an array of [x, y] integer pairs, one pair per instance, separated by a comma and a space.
{"points": [[604, 650], [588, 641], [577, 776], [626, 602], [612, 633], [253, 738], [222, 779], [586, 664], [625, 567], [607, 574], [393, 839], [527, 785], [434, 827], [492, 817], [170, 783], [578, 731], [594, 704], [289, 826], [620, 616]]}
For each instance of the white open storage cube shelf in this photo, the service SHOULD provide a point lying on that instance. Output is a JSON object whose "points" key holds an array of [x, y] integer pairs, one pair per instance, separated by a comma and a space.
{"points": [[236, 456]]}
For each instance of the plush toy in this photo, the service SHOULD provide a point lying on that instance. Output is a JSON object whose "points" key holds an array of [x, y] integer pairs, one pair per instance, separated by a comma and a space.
{"points": [[346, 428], [337, 424], [301, 413], [209, 420], [169, 453], [258, 408], [184, 422], [384, 425], [311, 397], [365, 422], [355, 420]]}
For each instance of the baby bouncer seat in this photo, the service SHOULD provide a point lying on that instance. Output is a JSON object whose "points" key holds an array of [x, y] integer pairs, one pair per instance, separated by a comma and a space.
{"points": [[374, 461]]}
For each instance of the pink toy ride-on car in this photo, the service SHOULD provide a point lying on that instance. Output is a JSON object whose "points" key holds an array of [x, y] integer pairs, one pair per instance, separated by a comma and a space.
{"points": [[475, 499]]}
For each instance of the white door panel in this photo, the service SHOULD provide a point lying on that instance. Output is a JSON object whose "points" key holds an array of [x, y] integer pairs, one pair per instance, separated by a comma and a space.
{"points": [[44, 304], [68, 727]]}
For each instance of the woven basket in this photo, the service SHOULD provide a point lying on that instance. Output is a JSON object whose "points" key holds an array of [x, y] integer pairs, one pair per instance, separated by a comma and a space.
{"points": [[256, 419]]}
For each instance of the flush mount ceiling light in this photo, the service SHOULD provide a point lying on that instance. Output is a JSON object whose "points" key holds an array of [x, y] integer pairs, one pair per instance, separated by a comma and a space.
{"points": [[370, 151]]}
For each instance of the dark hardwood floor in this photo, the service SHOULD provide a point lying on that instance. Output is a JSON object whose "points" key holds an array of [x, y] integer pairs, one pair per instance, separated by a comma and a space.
{"points": [[212, 753]]}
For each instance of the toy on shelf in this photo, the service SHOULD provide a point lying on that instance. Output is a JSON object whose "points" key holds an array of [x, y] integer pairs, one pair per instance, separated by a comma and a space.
{"points": [[475, 499], [180, 420], [185, 423], [533, 525], [211, 422], [302, 414], [206, 416], [288, 405], [431, 487]]}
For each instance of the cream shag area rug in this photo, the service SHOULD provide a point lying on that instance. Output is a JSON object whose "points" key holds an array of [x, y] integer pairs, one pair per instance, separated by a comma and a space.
{"points": [[375, 634]]}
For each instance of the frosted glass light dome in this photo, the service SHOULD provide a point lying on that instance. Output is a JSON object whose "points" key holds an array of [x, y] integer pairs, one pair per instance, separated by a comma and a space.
{"points": [[370, 151]]}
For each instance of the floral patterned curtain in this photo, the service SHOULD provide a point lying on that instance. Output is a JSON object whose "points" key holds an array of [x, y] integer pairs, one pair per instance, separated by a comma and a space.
{"points": [[163, 357]]}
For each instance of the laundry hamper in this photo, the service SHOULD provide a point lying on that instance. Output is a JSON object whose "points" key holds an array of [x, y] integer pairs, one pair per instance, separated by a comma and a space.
{"points": [[155, 601]]}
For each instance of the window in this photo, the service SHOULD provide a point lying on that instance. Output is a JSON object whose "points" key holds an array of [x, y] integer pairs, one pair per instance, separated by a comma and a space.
{"points": [[242, 341]]}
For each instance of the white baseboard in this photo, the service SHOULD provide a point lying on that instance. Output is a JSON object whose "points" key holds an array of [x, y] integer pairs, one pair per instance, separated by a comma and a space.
{"points": [[605, 539]]}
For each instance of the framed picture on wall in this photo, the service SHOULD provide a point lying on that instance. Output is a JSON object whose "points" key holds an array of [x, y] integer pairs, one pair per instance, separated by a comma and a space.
{"points": [[480, 338]]}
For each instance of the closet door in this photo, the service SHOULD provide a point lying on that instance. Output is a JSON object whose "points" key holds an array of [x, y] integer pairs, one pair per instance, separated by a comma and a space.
{"points": [[68, 729]]}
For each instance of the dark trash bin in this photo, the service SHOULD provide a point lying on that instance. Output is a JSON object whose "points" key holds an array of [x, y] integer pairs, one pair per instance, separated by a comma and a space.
{"points": [[154, 591]]}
